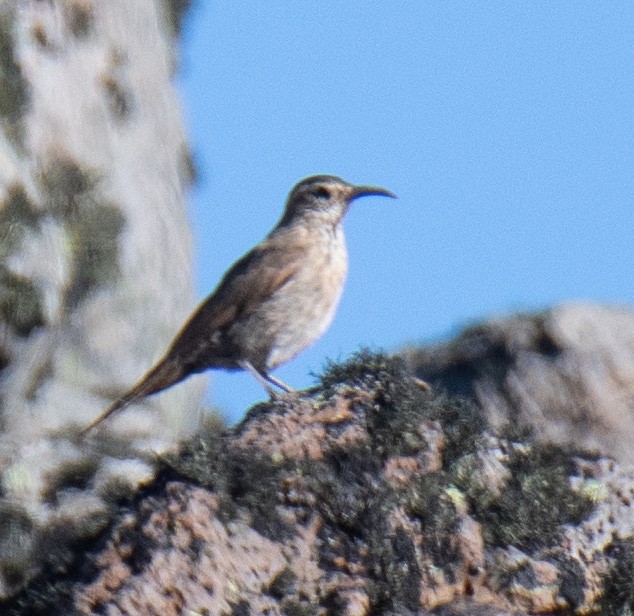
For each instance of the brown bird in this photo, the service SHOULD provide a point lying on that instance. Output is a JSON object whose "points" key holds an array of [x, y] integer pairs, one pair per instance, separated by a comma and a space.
{"points": [[272, 303]]}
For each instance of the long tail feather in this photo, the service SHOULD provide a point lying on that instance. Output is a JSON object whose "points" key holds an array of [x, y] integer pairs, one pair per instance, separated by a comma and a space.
{"points": [[165, 374]]}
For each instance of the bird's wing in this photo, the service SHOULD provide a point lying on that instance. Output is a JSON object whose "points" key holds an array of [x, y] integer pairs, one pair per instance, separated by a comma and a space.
{"points": [[250, 281]]}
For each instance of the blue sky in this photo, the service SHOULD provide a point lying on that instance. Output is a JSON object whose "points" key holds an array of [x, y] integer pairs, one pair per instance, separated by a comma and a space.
{"points": [[506, 130]]}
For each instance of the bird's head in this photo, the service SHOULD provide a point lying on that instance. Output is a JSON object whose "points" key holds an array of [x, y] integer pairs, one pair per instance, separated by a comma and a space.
{"points": [[325, 197]]}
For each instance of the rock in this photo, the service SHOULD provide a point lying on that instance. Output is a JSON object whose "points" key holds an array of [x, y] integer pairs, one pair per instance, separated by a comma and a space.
{"points": [[567, 373], [93, 171], [365, 496]]}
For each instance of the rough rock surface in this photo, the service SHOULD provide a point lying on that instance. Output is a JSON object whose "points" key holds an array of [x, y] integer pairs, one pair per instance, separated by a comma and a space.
{"points": [[567, 372], [367, 495]]}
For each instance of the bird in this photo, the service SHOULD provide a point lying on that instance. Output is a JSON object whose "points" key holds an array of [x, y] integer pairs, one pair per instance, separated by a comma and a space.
{"points": [[272, 303]]}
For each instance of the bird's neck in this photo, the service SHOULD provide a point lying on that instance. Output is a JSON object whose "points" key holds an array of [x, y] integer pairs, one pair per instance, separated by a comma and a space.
{"points": [[328, 221]]}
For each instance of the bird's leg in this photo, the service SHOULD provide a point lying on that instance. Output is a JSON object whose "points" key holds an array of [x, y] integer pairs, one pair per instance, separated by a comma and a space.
{"points": [[261, 378], [278, 383]]}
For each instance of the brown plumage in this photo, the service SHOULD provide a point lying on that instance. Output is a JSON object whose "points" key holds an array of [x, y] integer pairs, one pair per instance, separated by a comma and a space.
{"points": [[272, 303]]}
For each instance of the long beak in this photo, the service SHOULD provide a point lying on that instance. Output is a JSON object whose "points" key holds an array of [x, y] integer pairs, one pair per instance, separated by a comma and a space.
{"points": [[362, 191]]}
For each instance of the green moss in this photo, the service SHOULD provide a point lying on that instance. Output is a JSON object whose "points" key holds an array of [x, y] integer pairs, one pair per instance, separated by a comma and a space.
{"points": [[68, 187], [395, 576], [572, 581], [468, 475], [71, 474], [618, 583], [528, 512], [93, 227], [18, 216], [119, 98], [80, 18], [391, 560], [17, 537], [176, 13], [253, 482], [430, 499], [364, 368], [342, 485], [349, 492], [535, 501], [358, 501], [49, 599], [94, 233], [20, 303], [398, 406], [284, 583], [463, 426], [197, 459], [292, 607], [13, 88], [242, 479]]}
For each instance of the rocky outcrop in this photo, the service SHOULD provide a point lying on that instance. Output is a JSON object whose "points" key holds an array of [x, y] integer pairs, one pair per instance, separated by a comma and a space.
{"points": [[567, 373], [367, 495]]}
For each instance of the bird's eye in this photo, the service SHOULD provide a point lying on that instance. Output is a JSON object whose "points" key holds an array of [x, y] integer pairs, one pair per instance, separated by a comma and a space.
{"points": [[321, 193]]}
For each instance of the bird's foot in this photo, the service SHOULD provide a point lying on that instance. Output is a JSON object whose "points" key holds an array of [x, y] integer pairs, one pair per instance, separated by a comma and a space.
{"points": [[265, 379], [287, 394]]}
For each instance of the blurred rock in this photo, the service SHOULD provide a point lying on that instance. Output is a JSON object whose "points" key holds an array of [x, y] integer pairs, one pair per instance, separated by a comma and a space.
{"points": [[92, 213], [94, 166], [567, 373]]}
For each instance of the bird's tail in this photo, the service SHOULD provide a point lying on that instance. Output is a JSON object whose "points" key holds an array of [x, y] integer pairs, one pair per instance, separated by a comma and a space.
{"points": [[165, 374]]}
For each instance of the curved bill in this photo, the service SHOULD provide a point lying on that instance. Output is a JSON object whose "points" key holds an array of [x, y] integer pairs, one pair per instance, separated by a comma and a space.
{"points": [[362, 191]]}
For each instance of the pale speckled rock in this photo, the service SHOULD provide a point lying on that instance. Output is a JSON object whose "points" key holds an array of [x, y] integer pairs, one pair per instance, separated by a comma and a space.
{"points": [[99, 130], [108, 341]]}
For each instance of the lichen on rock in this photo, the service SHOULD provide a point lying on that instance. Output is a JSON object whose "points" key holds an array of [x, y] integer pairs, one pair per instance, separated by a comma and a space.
{"points": [[313, 505]]}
